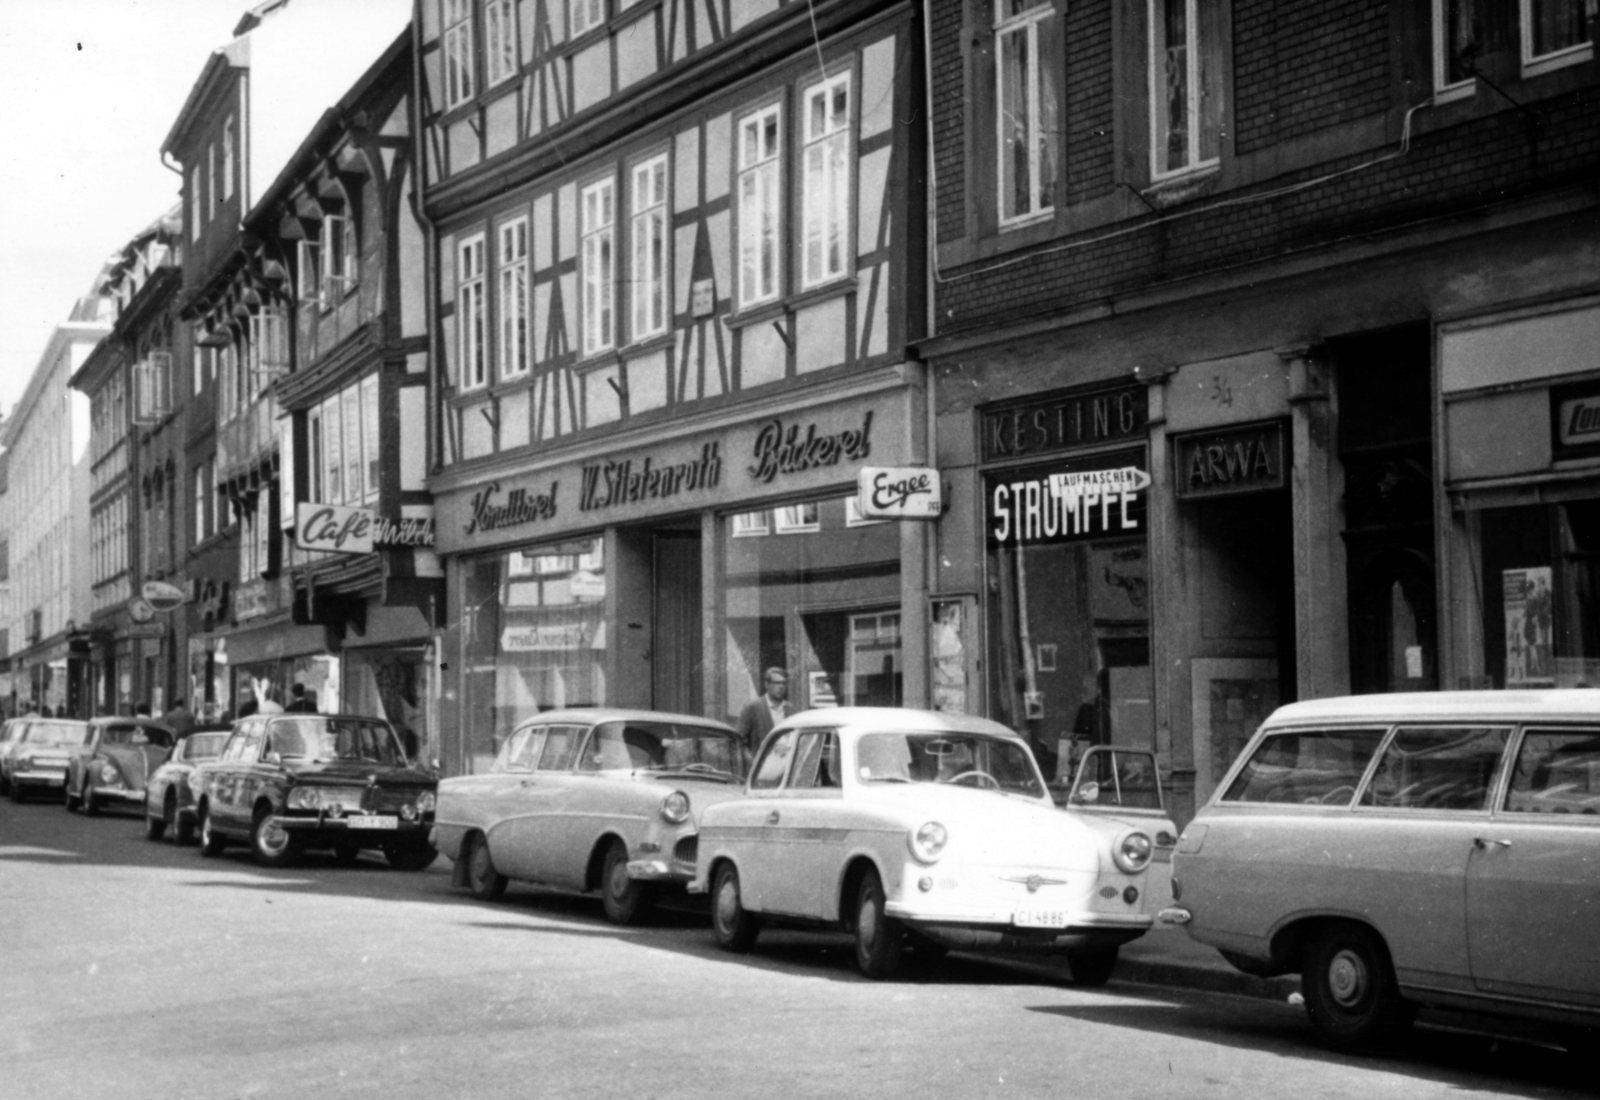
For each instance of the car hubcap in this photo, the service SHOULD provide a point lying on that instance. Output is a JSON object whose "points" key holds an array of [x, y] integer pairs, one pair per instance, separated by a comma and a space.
{"points": [[728, 903], [273, 837], [869, 922], [480, 864], [1347, 978]]}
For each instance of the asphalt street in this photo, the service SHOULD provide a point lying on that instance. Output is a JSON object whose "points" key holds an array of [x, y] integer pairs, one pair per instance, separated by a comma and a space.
{"points": [[138, 969]]}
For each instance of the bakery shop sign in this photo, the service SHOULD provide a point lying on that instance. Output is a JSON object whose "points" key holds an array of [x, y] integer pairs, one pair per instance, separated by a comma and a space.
{"points": [[786, 449]]}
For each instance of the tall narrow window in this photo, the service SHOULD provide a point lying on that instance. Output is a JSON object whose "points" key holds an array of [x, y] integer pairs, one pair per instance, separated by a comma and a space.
{"points": [[599, 214], [500, 40], [369, 436], [196, 207], [338, 248], [227, 159], [586, 15], [200, 490], [332, 451], [1556, 32], [760, 205], [513, 298], [826, 203], [308, 286], [314, 482], [1185, 84], [211, 174], [649, 229], [458, 82], [354, 474], [470, 313], [1029, 57]]}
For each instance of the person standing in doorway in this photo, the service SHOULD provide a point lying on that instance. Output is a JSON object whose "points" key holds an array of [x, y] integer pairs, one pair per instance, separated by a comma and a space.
{"points": [[304, 702], [765, 710]]}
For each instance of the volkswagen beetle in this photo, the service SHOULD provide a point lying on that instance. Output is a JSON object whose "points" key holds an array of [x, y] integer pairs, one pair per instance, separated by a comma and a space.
{"points": [[937, 830], [114, 762]]}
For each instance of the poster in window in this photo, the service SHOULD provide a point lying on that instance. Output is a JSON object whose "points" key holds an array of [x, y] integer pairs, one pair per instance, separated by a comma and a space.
{"points": [[1530, 627], [949, 658]]}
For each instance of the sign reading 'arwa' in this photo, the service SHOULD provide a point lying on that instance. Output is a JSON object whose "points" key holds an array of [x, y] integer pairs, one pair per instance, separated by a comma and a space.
{"points": [[622, 481], [519, 507], [784, 450], [1060, 422], [1238, 460]]}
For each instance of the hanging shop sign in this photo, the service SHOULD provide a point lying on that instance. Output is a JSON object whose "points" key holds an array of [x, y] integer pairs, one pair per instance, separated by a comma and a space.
{"points": [[1098, 496], [1064, 421], [161, 596], [140, 611], [341, 530], [1247, 459], [1575, 420], [899, 492]]}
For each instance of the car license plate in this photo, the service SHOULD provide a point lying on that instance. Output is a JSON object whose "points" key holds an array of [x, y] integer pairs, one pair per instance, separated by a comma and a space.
{"points": [[1039, 918], [372, 821]]}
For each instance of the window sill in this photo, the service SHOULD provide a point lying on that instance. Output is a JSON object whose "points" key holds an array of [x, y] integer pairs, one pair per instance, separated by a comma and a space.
{"points": [[1043, 217], [774, 311], [1465, 90], [1572, 55], [1182, 187], [650, 344], [597, 360]]}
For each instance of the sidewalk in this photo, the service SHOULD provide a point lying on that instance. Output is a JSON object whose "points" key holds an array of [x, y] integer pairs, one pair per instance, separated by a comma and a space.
{"points": [[1167, 956]]}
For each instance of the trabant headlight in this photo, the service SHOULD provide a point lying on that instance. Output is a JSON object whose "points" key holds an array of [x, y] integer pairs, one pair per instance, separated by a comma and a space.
{"points": [[927, 841], [1132, 852], [426, 801], [675, 807], [108, 772]]}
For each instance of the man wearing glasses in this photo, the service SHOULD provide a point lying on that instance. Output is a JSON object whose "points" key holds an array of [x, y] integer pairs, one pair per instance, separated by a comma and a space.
{"points": [[766, 710]]}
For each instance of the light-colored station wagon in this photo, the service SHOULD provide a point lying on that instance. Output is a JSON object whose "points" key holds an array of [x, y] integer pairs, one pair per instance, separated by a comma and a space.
{"points": [[1437, 849]]}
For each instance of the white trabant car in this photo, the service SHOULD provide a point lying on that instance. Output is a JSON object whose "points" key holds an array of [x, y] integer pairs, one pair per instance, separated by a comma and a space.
{"points": [[904, 825], [591, 799], [1437, 849]]}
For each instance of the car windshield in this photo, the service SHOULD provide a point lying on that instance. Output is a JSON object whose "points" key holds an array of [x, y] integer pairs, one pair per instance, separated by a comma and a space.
{"points": [[965, 759], [323, 740], [130, 736], [665, 747], [203, 746], [64, 734]]}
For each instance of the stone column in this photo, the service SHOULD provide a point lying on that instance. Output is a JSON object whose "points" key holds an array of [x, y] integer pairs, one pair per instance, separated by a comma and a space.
{"points": [[1321, 607]]}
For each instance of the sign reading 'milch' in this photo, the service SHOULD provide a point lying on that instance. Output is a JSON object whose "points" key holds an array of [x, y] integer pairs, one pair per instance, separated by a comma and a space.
{"points": [[1246, 459]]}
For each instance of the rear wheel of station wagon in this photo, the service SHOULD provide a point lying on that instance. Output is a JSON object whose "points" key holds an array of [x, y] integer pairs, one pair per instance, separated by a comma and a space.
{"points": [[1350, 991]]}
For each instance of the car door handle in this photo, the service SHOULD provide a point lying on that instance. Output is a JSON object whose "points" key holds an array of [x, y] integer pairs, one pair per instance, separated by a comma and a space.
{"points": [[772, 818], [529, 783], [1484, 842]]}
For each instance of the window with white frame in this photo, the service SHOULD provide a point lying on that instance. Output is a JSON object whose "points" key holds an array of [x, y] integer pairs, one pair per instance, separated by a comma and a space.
{"points": [[1028, 74], [599, 266], [500, 40], [227, 159], [314, 479], [198, 359], [338, 249], [513, 304], [354, 468], [1186, 91], [1556, 33], [648, 212], [211, 174], [470, 313], [308, 269], [153, 395], [269, 349], [201, 488], [369, 436], [458, 72], [196, 206], [587, 15], [825, 205], [760, 185], [332, 451]]}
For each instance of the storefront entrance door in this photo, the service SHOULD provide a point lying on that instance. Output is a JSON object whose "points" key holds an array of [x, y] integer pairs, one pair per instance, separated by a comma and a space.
{"points": [[677, 677]]}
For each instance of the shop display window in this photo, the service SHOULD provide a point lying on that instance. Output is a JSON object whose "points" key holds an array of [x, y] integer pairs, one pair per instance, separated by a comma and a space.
{"points": [[1540, 593], [533, 638], [809, 592]]}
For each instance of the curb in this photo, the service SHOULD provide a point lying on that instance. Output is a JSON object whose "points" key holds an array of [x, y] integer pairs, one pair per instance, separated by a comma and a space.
{"points": [[1209, 979]]}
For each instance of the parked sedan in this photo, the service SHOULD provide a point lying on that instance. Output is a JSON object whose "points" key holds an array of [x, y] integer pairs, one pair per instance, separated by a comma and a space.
{"points": [[936, 829], [1413, 849], [36, 754], [114, 763], [169, 798], [593, 799], [288, 782]]}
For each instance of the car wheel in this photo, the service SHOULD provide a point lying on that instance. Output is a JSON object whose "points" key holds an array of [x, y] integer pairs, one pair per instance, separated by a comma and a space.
{"points": [[67, 799], [417, 856], [182, 829], [211, 844], [482, 879], [880, 938], [735, 926], [1092, 966], [1351, 996], [91, 805], [270, 843], [626, 901], [154, 827]]}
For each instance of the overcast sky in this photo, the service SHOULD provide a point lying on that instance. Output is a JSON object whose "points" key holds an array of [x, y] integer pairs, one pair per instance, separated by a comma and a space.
{"points": [[88, 90]]}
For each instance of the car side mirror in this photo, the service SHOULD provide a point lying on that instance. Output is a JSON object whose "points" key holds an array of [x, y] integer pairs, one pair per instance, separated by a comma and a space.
{"points": [[1088, 792], [272, 758]]}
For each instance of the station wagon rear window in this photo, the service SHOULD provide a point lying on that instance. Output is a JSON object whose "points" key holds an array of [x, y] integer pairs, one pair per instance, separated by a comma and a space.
{"points": [[43, 733], [1557, 772], [1437, 768], [1306, 766]]}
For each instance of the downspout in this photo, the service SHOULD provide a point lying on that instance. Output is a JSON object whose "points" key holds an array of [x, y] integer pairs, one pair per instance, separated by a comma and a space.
{"points": [[931, 579]]}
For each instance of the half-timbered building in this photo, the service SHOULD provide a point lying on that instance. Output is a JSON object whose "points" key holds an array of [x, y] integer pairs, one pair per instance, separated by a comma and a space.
{"points": [[679, 253]]}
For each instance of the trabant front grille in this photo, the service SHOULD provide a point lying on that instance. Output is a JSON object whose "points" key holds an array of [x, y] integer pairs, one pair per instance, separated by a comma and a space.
{"points": [[687, 850]]}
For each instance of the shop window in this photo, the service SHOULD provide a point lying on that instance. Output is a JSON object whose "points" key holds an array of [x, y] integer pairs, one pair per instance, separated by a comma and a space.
{"points": [[1186, 90], [822, 603], [1028, 77], [1541, 594], [533, 638]]}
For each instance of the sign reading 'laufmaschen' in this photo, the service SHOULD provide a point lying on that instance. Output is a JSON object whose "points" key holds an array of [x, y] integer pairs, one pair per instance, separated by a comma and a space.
{"points": [[1102, 496]]}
